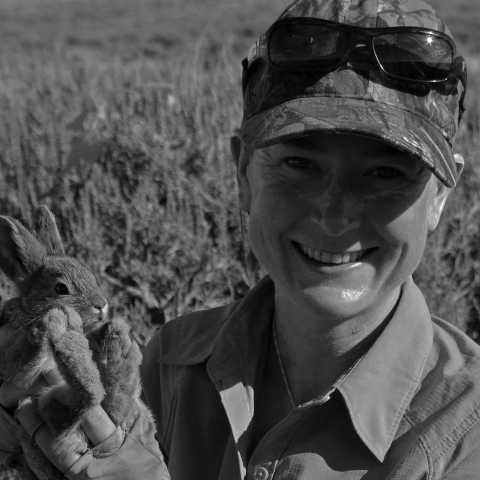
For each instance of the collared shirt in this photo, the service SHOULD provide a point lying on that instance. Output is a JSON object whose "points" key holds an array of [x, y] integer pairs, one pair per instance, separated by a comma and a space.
{"points": [[409, 409]]}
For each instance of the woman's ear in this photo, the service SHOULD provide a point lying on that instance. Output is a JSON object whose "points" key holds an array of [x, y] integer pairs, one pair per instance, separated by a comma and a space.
{"points": [[242, 162], [438, 203]]}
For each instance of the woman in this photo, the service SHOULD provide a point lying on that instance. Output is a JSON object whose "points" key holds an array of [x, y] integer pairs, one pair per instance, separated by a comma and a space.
{"points": [[332, 366]]}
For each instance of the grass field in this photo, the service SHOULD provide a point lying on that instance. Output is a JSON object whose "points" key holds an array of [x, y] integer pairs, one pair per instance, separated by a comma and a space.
{"points": [[142, 184], [117, 114]]}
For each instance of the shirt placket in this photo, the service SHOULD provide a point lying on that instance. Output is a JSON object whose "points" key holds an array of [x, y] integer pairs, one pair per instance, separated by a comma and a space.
{"points": [[281, 436], [237, 399]]}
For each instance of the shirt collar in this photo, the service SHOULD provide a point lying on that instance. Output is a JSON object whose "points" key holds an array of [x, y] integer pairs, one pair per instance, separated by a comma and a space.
{"points": [[244, 332], [381, 387], [377, 391], [230, 340]]}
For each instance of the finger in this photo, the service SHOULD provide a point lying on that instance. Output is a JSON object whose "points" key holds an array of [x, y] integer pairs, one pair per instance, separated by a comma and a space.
{"points": [[10, 395], [37, 461], [97, 425], [47, 443], [35, 430]]}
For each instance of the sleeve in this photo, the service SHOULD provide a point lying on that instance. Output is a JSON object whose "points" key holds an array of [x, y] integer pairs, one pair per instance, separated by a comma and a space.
{"points": [[467, 469], [123, 456], [150, 373]]}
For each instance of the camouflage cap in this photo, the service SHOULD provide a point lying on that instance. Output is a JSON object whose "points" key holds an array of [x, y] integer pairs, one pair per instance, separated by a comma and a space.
{"points": [[283, 105]]}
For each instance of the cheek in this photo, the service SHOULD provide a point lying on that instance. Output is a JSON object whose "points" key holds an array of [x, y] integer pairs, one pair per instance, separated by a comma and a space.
{"points": [[273, 211], [405, 230], [265, 220]]}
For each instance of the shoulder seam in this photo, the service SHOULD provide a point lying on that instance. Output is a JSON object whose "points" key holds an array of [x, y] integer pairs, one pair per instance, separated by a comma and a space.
{"points": [[452, 440]]}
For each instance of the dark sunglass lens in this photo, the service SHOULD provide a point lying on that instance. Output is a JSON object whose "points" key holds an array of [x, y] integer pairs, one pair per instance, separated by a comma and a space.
{"points": [[307, 47], [414, 56]]}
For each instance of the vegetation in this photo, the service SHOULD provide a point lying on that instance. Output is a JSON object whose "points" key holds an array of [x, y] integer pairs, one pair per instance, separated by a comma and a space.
{"points": [[117, 115], [124, 132]]}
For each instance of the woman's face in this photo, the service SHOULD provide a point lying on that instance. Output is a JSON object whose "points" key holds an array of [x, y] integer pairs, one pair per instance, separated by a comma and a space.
{"points": [[338, 221]]}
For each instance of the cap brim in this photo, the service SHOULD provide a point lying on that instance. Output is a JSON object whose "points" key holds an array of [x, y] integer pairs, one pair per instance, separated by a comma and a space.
{"points": [[313, 115]]}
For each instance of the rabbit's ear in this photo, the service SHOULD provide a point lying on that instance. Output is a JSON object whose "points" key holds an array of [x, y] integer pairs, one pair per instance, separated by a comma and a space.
{"points": [[46, 231], [20, 253]]}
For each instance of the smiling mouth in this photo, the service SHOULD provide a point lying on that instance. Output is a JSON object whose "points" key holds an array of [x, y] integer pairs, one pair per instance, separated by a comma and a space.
{"points": [[332, 258]]}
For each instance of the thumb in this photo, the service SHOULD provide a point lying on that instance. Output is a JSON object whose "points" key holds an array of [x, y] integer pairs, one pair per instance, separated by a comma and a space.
{"points": [[97, 425]]}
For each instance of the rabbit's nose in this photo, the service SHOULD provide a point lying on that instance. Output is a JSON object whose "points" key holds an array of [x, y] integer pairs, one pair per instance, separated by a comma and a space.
{"points": [[102, 312]]}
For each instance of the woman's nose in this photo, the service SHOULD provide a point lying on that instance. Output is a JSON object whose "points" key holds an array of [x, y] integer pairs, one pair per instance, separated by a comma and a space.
{"points": [[337, 210]]}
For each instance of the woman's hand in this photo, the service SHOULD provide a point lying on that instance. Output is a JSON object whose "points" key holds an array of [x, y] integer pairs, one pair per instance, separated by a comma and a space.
{"points": [[127, 452], [96, 423], [122, 454]]}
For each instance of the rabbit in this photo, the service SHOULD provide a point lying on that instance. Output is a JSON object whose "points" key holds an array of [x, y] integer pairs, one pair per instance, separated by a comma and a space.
{"points": [[58, 326]]}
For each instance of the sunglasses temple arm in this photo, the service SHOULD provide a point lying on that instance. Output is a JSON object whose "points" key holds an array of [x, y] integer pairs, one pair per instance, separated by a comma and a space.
{"points": [[244, 75], [462, 105], [462, 75]]}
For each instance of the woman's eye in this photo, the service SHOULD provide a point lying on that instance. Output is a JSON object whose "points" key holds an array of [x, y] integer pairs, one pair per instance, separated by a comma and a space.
{"points": [[299, 163], [387, 173], [61, 289]]}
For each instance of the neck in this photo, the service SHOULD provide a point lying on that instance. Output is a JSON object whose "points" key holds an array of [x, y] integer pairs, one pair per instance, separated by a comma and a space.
{"points": [[315, 351]]}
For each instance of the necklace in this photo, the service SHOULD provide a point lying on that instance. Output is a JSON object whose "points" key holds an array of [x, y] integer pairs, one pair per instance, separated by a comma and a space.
{"points": [[281, 366]]}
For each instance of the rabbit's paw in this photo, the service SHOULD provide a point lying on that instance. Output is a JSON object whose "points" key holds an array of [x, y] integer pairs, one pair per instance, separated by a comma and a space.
{"points": [[120, 347], [80, 387], [59, 320], [122, 377]]}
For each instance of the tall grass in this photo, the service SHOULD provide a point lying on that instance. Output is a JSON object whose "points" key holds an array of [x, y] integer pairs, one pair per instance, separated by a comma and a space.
{"points": [[133, 159], [449, 275], [155, 214]]}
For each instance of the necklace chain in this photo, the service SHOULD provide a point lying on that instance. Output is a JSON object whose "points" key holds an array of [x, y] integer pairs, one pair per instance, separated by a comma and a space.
{"points": [[281, 366]]}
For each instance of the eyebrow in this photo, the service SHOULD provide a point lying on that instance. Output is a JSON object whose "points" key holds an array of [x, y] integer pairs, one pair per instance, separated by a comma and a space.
{"points": [[305, 145]]}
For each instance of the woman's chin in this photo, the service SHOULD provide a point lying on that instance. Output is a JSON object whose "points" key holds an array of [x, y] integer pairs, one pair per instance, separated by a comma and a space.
{"points": [[336, 302]]}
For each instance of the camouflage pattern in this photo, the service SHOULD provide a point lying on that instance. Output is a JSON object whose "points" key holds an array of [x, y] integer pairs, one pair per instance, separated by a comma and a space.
{"points": [[422, 121], [369, 13]]}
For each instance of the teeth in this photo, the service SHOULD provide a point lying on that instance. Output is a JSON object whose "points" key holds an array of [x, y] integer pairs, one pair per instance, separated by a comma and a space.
{"points": [[326, 258], [336, 258]]}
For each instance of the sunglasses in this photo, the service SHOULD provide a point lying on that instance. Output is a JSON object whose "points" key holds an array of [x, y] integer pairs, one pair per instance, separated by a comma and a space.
{"points": [[406, 54]]}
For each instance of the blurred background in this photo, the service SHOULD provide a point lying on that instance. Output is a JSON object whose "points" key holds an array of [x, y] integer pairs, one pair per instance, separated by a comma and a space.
{"points": [[117, 115], [168, 29]]}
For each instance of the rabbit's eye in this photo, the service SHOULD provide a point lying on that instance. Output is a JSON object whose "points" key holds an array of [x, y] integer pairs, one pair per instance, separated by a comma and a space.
{"points": [[61, 289]]}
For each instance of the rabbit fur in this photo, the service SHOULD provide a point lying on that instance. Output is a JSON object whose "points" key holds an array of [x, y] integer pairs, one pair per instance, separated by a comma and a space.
{"points": [[58, 326]]}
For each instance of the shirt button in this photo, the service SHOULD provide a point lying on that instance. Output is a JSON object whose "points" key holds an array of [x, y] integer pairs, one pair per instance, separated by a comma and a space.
{"points": [[260, 473]]}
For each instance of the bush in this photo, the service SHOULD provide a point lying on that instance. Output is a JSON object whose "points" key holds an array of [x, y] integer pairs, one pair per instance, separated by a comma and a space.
{"points": [[134, 161]]}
